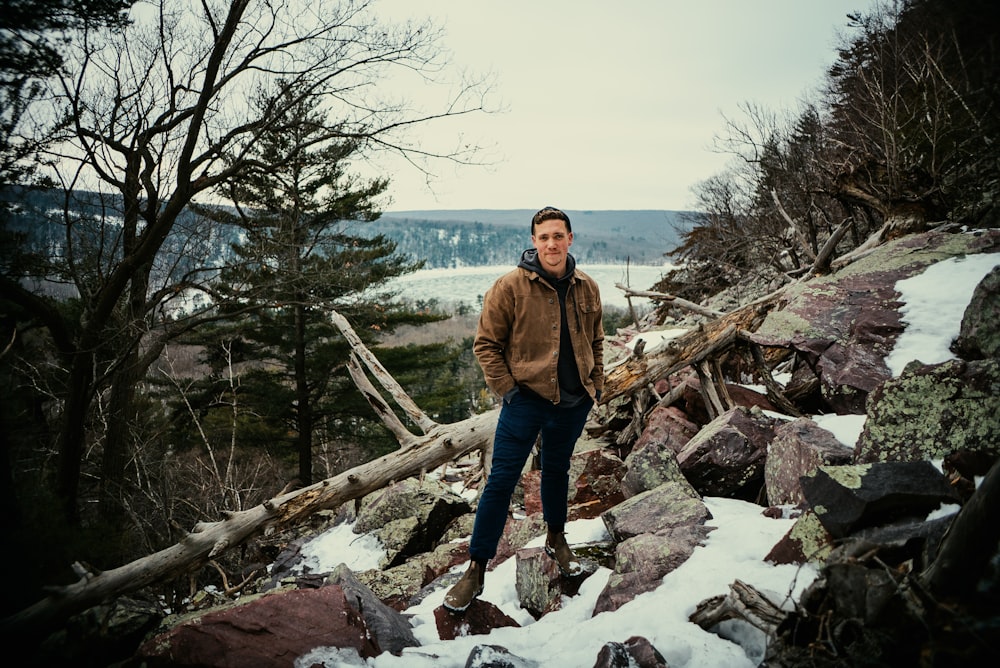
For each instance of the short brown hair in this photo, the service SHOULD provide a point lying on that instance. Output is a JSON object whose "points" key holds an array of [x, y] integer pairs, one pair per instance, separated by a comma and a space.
{"points": [[550, 213]]}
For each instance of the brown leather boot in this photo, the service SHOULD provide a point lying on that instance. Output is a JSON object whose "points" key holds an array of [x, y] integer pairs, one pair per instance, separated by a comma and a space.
{"points": [[465, 590], [557, 548]]}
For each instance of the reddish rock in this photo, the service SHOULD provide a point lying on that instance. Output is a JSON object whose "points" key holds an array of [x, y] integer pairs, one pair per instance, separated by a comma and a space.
{"points": [[726, 458], [642, 561], [268, 632], [798, 448], [635, 652], [843, 325], [479, 618], [594, 485], [669, 505], [668, 427]]}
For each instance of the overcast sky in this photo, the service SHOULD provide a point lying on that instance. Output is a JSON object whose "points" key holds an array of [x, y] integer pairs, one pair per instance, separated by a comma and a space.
{"points": [[614, 105]]}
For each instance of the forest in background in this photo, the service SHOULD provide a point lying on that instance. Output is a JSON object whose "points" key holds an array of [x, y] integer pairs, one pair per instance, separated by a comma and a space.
{"points": [[122, 422]]}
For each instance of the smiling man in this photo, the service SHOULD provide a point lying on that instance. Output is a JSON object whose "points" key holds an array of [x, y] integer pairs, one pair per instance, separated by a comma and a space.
{"points": [[540, 342]]}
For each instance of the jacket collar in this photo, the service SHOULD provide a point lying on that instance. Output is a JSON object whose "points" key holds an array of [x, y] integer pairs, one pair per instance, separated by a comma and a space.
{"points": [[529, 261]]}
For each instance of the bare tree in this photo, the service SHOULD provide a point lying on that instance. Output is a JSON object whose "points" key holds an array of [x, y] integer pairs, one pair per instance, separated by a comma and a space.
{"points": [[157, 117]]}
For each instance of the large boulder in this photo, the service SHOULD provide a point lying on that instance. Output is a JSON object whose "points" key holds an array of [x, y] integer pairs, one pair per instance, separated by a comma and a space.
{"points": [[843, 325], [979, 336], [849, 498], [726, 458], [409, 517], [669, 505], [397, 586], [798, 448], [933, 411], [653, 460], [270, 630], [642, 561]]}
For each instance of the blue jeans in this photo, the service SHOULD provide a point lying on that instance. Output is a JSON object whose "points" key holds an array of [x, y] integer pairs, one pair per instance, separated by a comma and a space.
{"points": [[521, 418]]}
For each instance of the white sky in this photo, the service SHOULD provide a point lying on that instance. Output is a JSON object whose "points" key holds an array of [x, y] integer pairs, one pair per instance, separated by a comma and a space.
{"points": [[612, 105], [735, 549]]}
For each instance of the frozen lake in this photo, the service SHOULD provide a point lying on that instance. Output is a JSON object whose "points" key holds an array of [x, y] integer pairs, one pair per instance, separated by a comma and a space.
{"points": [[468, 284]]}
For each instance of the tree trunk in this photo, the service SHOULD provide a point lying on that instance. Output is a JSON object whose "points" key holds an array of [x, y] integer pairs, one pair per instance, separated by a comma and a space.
{"points": [[79, 391], [304, 416]]}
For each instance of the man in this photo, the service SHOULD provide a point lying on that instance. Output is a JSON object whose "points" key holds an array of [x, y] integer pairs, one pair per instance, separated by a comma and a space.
{"points": [[540, 342]]}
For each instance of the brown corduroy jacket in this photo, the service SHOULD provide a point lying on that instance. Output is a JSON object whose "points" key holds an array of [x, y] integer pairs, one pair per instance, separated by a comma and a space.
{"points": [[517, 340]]}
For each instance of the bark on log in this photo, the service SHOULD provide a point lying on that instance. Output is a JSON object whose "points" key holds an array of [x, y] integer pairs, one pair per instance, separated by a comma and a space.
{"points": [[742, 602], [439, 445], [701, 343], [665, 297]]}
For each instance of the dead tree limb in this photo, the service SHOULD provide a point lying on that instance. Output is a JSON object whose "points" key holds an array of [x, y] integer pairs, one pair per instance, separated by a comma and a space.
{"points": [[207, 540], [384, 378], [822, 263], [673, 299], [774, 392], [700, 343], [793, 226], [742, 602], [709, 392]]}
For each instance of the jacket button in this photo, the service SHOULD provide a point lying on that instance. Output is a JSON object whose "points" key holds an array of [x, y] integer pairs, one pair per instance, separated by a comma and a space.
{"points": [[555, 352]]}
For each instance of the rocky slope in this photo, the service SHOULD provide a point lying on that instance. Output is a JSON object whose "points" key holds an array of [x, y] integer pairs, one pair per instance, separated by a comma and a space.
{"points": [[894, 589]]}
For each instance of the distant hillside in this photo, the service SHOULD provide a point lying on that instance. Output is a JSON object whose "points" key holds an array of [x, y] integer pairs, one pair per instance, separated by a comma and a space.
{"points": [[441, 238], [470, 237]]}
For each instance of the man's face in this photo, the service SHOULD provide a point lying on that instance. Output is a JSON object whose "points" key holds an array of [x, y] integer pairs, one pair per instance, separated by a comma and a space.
{"points": [[552, 242]]}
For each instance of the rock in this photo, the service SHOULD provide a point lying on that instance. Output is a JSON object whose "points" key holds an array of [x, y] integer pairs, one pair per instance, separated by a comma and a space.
{"points": [[479, 618], [596, 477], [843, 325], [397, 586], [653, 461], [516, 534], [595, 485], [726, 458], [390, 630], [911, 541], [409, 517], [496, 656], [798, 448], [808, 541], [979, 336], [848, 498], [932, 411], [669, 505], [642, 561], [540, 586], [104, 634], [269, 630], [636, 652]]}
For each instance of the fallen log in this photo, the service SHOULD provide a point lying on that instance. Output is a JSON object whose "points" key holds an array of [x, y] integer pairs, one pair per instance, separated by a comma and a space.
{"points": [[699, 344]]}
